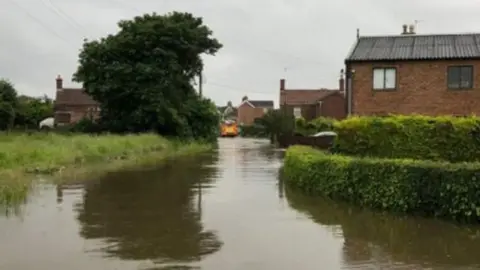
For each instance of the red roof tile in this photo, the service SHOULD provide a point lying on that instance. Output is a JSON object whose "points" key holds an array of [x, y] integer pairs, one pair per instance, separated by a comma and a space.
{"points": [[74, 96]]}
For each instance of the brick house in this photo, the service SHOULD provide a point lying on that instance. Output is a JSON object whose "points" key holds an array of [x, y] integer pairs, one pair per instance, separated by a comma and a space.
{"points": [[73, 104], [313, 103], [414, 74], [249, 110]]}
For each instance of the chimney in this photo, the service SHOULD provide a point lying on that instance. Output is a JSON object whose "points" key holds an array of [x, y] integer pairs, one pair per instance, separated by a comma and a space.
{"points": [[405, 29], [411, 29], [59, 82], [341, 82], [282, 84]]}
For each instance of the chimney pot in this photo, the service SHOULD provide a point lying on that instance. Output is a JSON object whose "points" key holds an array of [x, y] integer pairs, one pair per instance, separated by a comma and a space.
{"points": [[282, 84], [341, 82], [59, 82], [411, 29], [405, 29]]}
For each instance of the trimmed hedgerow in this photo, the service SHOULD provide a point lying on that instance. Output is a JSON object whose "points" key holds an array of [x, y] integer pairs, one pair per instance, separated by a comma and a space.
{"points": [[440, 189], [448, 138]]}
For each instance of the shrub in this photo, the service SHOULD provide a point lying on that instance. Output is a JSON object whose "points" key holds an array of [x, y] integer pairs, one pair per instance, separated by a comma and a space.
{"points": [[322, 124], [439, 189], [419, 137], [256, 131], [317, 125]]}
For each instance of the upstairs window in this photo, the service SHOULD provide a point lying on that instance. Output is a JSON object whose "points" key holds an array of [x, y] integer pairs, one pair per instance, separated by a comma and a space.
{"points": [[384, 78], [460, 77]]}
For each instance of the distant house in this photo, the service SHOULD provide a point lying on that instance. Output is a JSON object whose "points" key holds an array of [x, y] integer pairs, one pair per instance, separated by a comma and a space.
{"points": [[414, 74], [249, 110], [73, 104], [227, 112], [313, 103]]}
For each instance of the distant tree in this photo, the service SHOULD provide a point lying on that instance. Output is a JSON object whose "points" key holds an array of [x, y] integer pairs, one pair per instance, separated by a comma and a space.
{"points": [[142, 76], [32, 110], [8, 104], [276, 123]]}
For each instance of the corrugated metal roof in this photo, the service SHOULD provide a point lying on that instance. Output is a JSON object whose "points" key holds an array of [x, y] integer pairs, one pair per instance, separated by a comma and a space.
{"points": [[416, 47]]}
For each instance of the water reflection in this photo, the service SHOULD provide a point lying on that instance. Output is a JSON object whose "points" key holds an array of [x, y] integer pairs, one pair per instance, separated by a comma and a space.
{"points": [[157, 218], [372, 238]]}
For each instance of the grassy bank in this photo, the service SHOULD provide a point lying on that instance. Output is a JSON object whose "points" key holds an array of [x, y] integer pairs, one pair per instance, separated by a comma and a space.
{"points": [[23, 156], [440, 189]]}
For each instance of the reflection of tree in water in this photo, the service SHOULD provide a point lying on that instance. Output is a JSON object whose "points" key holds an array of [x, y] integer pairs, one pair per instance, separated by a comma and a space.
{"points": [[372, 236], [150, 214]]}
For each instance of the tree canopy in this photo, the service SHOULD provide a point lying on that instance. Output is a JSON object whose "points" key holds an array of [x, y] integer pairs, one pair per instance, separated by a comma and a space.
{"points": [[142, 76], [8, 104], [21, 111]]}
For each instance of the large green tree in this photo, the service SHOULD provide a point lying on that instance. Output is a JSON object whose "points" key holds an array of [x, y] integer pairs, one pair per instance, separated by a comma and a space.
{"points": [[8, 104], [143, 75]]}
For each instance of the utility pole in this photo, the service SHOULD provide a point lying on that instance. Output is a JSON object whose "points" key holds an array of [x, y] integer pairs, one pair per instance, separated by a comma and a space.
{"points": [[200, 82]]}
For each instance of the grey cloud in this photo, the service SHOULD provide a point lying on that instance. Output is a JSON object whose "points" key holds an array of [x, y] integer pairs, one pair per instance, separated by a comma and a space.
{"points": [[304, 41]]}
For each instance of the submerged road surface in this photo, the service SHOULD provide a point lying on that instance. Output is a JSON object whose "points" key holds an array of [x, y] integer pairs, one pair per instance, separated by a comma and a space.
{"points": [[226, 210]]}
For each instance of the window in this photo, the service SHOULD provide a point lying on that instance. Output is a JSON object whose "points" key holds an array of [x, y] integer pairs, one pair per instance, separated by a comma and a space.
{"points": [[297, 112], [265, 110], [384, 78], [460, 77]]}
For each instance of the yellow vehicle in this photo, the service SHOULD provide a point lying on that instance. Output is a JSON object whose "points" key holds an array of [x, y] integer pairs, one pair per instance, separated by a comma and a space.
{"points": [[229, 129]]}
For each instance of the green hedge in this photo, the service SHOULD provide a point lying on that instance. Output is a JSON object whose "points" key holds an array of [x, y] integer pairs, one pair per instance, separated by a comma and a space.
{"points": [[256, 131], [453, 139], [428, 188]]}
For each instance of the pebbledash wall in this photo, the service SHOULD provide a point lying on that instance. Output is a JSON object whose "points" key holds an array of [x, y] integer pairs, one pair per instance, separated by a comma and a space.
{"points": [[421, 88]]}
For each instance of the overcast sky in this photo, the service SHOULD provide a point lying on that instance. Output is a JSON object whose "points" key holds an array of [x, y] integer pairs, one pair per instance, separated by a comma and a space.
{"points": [[303, 41]]}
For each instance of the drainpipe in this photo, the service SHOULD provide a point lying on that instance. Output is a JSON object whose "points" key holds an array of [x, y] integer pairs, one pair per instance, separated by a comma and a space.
{"points": [[349, 74]]}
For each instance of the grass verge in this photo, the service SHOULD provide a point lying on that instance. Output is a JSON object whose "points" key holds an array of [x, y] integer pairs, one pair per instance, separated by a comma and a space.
{"points": [[77, 157]]}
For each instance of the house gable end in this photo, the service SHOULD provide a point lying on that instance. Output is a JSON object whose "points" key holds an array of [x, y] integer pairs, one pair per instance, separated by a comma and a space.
{"points": [[246, 102]]}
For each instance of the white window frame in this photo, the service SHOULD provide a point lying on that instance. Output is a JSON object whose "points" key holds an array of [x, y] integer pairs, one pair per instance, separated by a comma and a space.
{"points": [[297, 112], [381, 81]]}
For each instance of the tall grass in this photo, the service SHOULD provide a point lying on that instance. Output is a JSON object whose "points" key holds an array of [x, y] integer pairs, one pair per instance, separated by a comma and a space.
{"points": [[22, 155], [42, 152]]}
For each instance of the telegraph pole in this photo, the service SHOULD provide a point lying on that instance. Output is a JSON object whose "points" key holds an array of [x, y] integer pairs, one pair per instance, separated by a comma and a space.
{"points": [[200, 82]]}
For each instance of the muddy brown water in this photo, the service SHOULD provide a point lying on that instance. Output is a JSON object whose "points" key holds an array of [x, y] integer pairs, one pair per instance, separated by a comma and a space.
{"points": [[227, 210]]}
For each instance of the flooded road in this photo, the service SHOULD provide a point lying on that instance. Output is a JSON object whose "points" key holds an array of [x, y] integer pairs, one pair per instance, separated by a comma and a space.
{"points": [[227, 210]]}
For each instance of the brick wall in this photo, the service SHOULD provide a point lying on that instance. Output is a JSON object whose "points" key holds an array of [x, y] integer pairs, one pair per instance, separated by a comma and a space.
{"points": [[309, 111], [421, 88], [247, 114], [76, 113], [333, 106]]}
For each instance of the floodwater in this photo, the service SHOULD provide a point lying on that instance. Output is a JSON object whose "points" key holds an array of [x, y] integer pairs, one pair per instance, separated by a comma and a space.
{"points": [[226, 210]]}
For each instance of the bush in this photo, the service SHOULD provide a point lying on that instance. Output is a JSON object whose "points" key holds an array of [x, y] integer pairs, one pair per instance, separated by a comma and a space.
{"points": [[419, 137], [439, 189], [85, 125], [322, 124], [256, 131], [317, 125]]}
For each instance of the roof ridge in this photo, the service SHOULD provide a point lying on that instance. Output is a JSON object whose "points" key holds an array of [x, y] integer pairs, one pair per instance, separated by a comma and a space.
{"points": [[421, 35], [312, 90]]}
